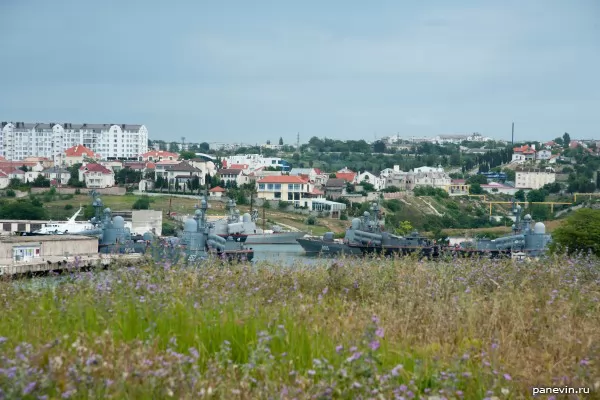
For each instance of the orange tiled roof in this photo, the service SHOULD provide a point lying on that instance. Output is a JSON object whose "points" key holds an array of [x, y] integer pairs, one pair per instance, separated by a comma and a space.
{"points": [[78, 151], [347, 176], [95, 168], [160, 153], [525, 149], [217, 189], [238, 166], [282, 179]]}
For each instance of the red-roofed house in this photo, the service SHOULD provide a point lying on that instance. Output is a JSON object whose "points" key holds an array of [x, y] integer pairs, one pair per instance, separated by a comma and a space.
{"points": [[239, 176], [523, 153], [96, 176], [239, 166], [346, 174], [216, 192], [159, 155], [288, 188], [79, 154]]}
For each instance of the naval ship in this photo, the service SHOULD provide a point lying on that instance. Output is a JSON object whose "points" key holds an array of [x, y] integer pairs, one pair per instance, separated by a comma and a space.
{"points": [[526, 240], [367, 235], [242, 228]]}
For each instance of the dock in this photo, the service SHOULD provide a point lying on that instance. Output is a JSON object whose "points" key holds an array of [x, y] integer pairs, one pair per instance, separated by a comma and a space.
{"points": [[62, 264]]}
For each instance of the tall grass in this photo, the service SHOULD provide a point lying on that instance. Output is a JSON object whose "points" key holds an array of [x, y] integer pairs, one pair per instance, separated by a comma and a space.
{"points": [[346, 329]]}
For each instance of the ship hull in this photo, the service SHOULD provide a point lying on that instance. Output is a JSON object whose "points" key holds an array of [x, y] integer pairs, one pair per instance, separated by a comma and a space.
{"points": [[275, 238], [398, 250], [321, 247]]}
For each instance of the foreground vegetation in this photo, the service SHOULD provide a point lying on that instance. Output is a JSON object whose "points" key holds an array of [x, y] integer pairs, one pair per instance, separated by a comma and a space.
{"points": [[378, 329]]}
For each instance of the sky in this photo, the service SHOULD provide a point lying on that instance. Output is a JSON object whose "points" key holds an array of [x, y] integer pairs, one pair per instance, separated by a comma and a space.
{"points": [[251, 71]]}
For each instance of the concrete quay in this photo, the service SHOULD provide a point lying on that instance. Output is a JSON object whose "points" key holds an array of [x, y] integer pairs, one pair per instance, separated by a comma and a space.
{"points": [[62, 264]]}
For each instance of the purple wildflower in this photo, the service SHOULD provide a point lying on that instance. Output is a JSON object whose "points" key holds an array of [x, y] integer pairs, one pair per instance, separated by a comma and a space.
{"points": [[311, 372], [325, 290], [379, 332], [339, 348], [584, 363], [375, 319], [3, 339], [29, 388], [354, 356], [507, 377], [374, 345], [396, 370]]}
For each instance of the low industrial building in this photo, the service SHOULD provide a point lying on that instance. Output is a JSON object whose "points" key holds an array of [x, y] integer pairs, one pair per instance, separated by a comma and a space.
{"points": [[15, 249]]}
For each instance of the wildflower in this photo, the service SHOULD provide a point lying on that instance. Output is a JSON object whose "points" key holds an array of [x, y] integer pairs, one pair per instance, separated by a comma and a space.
{"points": [[353, 349], [379, 332], [507, 377], [374, 345], [3, 339], [584, 363], [354, 356], [396, 370], [311, 372], [356, 385], [29, 388], [339, 348], [375, 319], [325, 290]]}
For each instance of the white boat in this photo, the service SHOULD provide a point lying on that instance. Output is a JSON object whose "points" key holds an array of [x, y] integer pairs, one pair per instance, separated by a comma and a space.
{"points": [[70, 227]]}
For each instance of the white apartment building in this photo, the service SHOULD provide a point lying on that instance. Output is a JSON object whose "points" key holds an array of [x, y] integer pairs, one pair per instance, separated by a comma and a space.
{"points": [[255, 161], [533, 178], [19, 140]]}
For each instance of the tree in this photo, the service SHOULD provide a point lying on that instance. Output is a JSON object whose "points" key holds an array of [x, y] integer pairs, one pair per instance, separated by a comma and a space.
{"points": [[480, 179], [475, 188], [187, 155], [558, 141], [174, 147], [520, 195], [581, 232], [379, 147], [536, 196], [41, 181], [280, 141], [566, 140], [23, 209], [404, 228], [204, 147]]}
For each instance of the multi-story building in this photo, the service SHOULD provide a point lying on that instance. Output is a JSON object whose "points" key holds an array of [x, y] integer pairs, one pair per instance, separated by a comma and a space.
{"points": [[96, 176], [19, 140], [533, 178], [424, 176], [292, 189]]}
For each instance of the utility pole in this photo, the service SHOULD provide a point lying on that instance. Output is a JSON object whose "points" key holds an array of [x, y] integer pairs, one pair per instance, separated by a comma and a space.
{"points": [[183, 143]]}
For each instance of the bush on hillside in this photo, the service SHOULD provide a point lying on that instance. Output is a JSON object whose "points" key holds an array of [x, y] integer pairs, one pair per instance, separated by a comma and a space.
{"points": [[580, 233]]}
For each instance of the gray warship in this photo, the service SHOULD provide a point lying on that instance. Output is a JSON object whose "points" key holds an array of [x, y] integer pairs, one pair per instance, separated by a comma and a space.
{"points": [[367, 235], [527, 240], [242, 228], [326, 245]]}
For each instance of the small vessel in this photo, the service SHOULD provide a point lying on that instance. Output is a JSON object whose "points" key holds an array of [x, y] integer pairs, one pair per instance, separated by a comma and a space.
{"points": [[70, 227], [527, 240], [242, 228], [326, 245]]}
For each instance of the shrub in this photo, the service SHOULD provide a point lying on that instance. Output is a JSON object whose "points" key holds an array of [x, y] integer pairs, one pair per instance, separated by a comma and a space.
{"points": [[143, 203], [68, 206], [311, 220], [10, 193]]}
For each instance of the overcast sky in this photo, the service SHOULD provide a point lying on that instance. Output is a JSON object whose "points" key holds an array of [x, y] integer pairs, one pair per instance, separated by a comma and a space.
{"points": [[256, 70]]}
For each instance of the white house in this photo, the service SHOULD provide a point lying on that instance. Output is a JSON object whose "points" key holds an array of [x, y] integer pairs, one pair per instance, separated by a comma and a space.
{"points": [[158, 155], [523, 154], [496, 187], [377, 182], [292, 189], [96, 176], [4, 180], [533, 178], [543, 155], [239, 176], [181, 172], [78, 155], [216, 192], [57, 175]]}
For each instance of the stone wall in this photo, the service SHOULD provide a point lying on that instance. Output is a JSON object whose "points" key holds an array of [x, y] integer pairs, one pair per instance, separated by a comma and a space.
{"points": [[115, 190]]}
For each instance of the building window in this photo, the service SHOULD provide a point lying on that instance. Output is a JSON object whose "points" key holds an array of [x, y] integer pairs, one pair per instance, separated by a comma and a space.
{"points": [[278, 195], [290, 196], [269, 186], [278, 186]]}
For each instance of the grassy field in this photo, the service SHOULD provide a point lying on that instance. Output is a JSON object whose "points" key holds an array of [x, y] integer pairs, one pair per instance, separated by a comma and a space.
{"points": [[347, 329]]}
